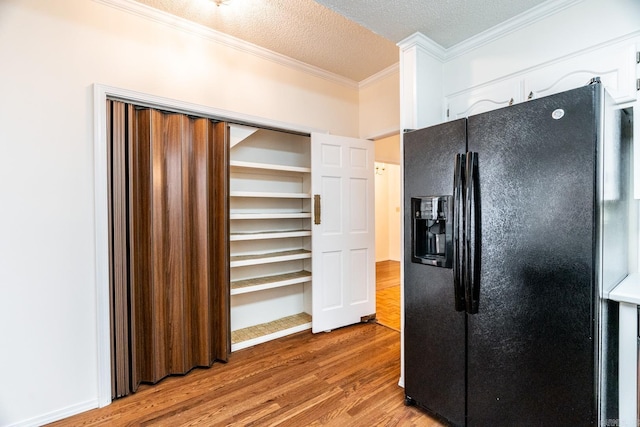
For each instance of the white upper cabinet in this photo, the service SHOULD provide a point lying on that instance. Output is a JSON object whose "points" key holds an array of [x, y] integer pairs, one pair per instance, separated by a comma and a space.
{"points": [[615, 65]]}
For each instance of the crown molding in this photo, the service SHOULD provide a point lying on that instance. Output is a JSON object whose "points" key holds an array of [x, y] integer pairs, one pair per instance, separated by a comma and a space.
{"points": [[424, 43], [383, 133], [518, 22], [390, 70], [419, 40], [182, 24]]}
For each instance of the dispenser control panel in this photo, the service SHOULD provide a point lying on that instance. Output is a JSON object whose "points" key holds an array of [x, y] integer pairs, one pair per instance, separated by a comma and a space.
{"points": [[432, 230]]}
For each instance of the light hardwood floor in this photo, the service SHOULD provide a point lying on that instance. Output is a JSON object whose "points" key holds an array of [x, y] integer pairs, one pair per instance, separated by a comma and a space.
{"points": [[388, 294], [348, 377]]}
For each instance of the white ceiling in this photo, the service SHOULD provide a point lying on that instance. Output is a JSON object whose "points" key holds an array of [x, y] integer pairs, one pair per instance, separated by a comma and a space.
{"points": [[354, 39], [446, 22]]}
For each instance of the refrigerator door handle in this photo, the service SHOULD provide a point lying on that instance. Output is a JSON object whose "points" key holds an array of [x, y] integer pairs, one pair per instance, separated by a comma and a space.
{"points": [[458, 251], [472, 234]]}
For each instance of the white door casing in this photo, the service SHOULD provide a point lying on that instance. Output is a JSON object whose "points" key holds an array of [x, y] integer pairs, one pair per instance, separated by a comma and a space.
{"points": [[343, 243]]}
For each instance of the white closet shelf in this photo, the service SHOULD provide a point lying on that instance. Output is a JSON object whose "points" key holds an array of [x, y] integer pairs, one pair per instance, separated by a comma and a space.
{"points": [[252, 335], [270, 195], [269, 182], [245, 260], [261, 215], [269, 282], [264, 235], [268, 166]]}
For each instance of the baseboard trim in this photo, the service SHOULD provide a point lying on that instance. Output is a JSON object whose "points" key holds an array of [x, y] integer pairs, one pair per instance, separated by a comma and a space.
{"points": [[57, 415]]}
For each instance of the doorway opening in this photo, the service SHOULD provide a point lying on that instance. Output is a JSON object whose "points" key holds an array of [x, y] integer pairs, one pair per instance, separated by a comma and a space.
{"points": [[388, 231], [102, 188]]}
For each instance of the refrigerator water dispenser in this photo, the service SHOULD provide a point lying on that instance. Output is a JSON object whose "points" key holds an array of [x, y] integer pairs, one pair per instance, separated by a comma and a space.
{"points": [[432, 230]]}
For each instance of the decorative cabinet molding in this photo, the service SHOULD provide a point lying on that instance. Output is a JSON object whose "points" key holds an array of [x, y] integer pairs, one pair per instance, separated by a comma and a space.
{"points": [[615, 65], [476, 101]]}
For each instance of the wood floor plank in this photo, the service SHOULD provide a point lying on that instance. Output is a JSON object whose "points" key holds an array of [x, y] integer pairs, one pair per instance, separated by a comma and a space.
{"points": [[388, 307], [347, 377], [388, 294], [387, 274]]}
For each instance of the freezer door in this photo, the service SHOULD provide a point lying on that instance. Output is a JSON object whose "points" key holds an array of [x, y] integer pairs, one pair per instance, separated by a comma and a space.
{"points": [[531, 346], [434, 332]]}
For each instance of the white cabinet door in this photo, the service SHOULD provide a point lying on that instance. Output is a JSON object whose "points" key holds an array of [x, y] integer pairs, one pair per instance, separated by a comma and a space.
{"points": [[614, 65], [343, 242], [486, 98]]}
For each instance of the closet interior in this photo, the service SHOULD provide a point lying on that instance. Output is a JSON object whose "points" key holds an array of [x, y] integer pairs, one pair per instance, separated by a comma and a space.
{"points": [[270, 234]]}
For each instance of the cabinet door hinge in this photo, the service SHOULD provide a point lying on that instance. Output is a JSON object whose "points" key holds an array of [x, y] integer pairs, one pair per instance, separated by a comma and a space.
{"points": [[638, 57], [638, 84]]}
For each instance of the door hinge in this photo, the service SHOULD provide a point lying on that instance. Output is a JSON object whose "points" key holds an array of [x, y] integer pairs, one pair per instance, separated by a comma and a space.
{"points": [[638, 57], [638, 84], [447, 113]]}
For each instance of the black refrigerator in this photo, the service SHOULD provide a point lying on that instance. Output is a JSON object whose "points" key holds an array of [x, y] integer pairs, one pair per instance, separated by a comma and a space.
{"points": [[515, 229]]}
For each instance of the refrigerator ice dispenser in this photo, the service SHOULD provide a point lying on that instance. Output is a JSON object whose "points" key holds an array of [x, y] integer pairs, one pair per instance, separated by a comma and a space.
{"points": [[432, 230]]}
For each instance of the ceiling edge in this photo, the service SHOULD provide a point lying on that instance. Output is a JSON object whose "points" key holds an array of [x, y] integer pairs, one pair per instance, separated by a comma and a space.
{"points": [[518, 22], [391, 69], [170, 20]]}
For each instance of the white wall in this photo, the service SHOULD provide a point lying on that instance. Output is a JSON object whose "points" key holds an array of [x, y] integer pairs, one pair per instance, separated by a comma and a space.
{"points": [[52, 53], [382, 214], [379, 101], [387, 211], [388, 194], [388, 149], [395, 201]]}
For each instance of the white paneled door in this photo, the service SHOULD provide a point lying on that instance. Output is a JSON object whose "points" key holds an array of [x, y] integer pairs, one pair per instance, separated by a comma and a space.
{"points": [[343, 243]]}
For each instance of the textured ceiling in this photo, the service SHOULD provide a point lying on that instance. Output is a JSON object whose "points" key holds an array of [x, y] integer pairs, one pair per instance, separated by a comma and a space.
{"points": [[300, 29], [351, 38], [446, 22]]}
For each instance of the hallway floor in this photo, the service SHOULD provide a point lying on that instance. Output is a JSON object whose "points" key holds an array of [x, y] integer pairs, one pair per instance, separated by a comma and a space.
{"points": [[388, 294]]}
